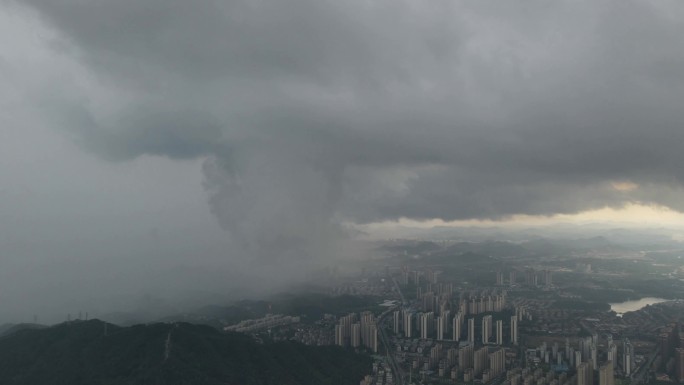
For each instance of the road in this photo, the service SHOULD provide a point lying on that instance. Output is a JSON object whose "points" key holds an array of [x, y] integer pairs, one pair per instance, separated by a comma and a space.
{"points": [[397, 372], [401, 295], [638, 377]]}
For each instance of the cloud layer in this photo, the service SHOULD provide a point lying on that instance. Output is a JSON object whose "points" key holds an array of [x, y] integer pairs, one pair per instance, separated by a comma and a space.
{"points": [[312, 113]]}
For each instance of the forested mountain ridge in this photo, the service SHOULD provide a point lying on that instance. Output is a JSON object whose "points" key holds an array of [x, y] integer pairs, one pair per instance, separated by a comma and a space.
{"points": [[88, 352]]}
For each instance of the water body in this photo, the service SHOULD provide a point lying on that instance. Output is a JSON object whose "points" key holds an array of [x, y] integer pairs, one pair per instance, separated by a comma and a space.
{"points": [[623, 307], [389, 303]]}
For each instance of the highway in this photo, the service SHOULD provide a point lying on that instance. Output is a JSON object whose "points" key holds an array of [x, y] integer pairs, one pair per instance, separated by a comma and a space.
{"points": [[397, 372], [401, 295], [638, 377]]}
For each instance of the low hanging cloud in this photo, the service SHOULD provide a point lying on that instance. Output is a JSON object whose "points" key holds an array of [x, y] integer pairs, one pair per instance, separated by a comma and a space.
{"points": [[312, 113]]}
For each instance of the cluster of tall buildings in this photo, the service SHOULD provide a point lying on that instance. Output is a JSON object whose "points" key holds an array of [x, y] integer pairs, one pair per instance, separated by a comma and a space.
{"points": [[382, 374], [464, 362], [426, 325], [466, 324], [483, 302], [532, 278], [528, 376], [489, 329], [423, 325], [417, 278], [607, 373], [584, 375], [485, 363], [434, 301], [628, 357], [357, 331], [592, 359], [671, 341]]}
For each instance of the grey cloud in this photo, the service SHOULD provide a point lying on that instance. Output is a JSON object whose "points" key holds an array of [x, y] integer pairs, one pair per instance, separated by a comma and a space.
{"points": [[177, 134], [366, 111]]}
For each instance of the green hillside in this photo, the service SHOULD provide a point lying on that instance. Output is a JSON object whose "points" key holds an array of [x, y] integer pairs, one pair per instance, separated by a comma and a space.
{"points": [[80, 353]]}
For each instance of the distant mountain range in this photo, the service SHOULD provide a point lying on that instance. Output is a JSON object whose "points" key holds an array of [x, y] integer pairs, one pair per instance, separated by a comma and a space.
{"points": [[95, 353], [533, 247], [630, 236]]}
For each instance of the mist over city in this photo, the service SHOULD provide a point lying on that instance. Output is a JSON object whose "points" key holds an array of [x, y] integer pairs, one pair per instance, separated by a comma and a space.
{"points": [[310, 165]]}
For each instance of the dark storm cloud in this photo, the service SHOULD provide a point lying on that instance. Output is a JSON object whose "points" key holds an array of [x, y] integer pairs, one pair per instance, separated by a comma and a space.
{"points": [[176, 134], [315, 112]]}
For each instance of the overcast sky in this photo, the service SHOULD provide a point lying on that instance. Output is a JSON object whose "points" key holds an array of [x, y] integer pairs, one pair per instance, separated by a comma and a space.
{"points": [[245, 133]]}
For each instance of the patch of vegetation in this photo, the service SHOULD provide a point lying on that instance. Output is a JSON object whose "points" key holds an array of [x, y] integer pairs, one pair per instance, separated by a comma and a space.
{"points": [[604, 294], [575, 304], [311, 307]]}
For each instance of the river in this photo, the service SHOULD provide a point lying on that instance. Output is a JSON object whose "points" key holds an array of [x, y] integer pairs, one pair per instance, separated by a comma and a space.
{"points": [[623, 307]]}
